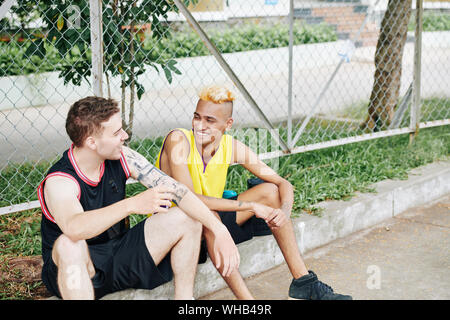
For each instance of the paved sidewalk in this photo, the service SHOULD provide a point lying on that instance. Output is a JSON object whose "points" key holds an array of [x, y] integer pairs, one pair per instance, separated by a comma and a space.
{"points": [[339, 220], [405, 257]]}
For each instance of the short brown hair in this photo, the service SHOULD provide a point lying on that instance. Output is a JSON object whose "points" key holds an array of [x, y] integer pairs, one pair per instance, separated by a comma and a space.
{"points": [[86, 115]]}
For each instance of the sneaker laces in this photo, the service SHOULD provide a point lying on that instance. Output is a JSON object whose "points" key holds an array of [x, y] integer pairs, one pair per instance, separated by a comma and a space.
{"points": [[320, 285], [323, 287]]}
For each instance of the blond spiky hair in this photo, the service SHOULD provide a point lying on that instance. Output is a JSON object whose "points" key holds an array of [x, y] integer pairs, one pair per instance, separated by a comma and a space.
{"points": [[216, 94]]}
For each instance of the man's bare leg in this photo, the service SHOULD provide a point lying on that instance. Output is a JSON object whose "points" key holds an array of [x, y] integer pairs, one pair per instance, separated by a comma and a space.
{"points": [[268, 194], [234, 281], [179, 233], [75, 269], [287, 242]]}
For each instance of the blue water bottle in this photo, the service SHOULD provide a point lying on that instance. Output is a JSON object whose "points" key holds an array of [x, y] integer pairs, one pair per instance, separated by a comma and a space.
{"points": [[227, 194]]}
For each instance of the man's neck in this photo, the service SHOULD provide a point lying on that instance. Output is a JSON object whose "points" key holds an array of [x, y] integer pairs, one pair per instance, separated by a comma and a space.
{"points": [[208, 150], [88, 162]]}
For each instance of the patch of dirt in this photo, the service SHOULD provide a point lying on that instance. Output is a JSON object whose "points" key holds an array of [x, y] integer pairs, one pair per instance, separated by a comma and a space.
{"points": [[20, 278]]}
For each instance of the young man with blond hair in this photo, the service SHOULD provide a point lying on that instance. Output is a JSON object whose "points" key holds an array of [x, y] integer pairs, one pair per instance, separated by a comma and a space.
{"points": [[199, 158], [87, 246]]}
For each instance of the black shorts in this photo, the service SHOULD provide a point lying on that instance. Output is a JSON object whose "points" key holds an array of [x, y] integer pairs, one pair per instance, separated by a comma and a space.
{"points": [[121, 263], [240, 233]]}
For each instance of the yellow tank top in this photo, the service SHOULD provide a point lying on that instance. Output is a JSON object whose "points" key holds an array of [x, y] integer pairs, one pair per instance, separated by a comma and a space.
{"points": [[208, 179]]}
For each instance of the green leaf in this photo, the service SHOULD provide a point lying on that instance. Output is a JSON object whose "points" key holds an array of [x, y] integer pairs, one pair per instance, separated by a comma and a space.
{"points": [[60, 22], [171, 64], [167, 73], [140, 90]]}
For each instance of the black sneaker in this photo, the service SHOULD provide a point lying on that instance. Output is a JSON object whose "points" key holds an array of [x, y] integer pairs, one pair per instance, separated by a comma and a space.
{"points": [[309, 287]]}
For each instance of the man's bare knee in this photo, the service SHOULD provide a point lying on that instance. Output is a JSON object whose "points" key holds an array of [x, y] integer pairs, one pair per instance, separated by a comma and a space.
{"points": [[271, 196], [192, 225], [67, 251], [189, 224]]}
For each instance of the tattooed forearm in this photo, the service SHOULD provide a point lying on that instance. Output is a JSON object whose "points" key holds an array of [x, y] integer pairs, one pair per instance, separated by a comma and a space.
{"points": [[150, 176]]}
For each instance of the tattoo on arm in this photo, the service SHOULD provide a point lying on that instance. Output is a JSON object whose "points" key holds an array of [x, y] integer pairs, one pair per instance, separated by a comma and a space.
{"points": [[150, 176]]}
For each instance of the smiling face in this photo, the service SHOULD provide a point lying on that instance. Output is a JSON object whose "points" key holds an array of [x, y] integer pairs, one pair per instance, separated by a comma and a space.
{"points": [[95, 122], [108, 141], [210, 121]]}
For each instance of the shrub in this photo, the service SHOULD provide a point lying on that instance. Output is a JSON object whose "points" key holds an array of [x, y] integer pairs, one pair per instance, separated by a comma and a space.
{"points": [[432, 22], [240, 38], [16, 58]]}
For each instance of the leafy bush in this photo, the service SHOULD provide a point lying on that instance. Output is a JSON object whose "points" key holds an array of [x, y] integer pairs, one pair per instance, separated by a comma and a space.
{"points": [[240, 38], [17, 59], [436, 22], [432, 22]]}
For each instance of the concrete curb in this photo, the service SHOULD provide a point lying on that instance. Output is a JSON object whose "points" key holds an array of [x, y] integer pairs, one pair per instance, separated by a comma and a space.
{"points": [[339, 219]]}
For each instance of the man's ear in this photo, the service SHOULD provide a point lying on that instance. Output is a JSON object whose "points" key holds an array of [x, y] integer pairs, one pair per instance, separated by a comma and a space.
{"points": [[90, 143], [229, 123]]}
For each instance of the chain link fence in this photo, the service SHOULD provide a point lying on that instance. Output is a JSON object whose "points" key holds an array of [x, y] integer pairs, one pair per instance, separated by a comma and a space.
{"points": [[307, 74]]}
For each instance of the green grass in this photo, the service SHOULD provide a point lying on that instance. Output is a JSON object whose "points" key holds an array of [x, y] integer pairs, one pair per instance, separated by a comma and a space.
{"points": [[434, 108], [18, 182], [20, 233], [337, 173]]}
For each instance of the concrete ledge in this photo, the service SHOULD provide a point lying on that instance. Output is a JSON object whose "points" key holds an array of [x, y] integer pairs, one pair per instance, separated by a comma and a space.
{"points": [[339, 219]]}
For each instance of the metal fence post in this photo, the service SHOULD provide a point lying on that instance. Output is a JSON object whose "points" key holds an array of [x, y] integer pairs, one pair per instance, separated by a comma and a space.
{"points": [[415, 107], [95, 8], [212, 48], [291, 44], [346, 56]]}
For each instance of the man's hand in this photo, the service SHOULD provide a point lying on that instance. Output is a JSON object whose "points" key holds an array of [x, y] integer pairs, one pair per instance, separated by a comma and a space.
{"points": [[274, 218], [277, 218], [225, 252], [153, 200]]}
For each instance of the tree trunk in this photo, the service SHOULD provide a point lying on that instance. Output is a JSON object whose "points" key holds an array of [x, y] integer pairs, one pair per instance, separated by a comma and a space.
{"points": [[388, 64]]}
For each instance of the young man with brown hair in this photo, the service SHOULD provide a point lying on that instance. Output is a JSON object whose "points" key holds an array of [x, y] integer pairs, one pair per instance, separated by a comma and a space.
{"points": [[87, 246], [199, 158]]}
